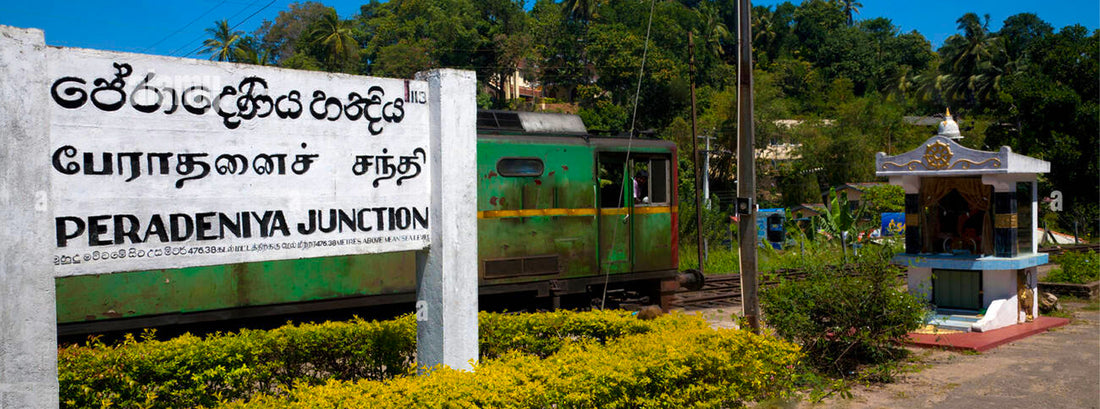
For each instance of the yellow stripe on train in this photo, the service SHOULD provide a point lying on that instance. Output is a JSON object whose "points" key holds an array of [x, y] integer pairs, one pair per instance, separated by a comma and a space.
{"points": [[496, 214]]}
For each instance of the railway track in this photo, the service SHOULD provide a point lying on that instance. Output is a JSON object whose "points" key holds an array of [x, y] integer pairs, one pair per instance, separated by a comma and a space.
{"points": [[724, 290], [1078, 248], [718, 291]]}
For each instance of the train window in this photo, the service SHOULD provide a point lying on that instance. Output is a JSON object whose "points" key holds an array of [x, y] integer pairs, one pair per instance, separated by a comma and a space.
{"points": [[520, 167], [651, 181], [611, 180]]}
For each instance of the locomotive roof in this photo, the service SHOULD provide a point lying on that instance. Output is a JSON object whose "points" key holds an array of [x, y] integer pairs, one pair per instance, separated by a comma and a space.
{"points": [[530, 122], [543, 124]]}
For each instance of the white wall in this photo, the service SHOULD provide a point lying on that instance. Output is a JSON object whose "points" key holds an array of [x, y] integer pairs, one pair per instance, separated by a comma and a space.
{"points": [[997, 284], [920, 282]]}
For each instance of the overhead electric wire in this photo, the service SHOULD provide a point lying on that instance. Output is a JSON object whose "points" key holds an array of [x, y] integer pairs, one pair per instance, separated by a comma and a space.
{"points": [[234, 26], [629, 144], [185, 25]]}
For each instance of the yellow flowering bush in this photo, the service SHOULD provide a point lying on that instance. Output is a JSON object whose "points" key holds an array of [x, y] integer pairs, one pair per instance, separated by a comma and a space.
{"points": [[190, 371], [572, 359], [679, 363]]}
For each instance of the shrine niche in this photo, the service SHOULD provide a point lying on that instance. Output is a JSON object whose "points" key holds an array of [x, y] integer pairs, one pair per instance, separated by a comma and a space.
{"points": [[970, 229]]}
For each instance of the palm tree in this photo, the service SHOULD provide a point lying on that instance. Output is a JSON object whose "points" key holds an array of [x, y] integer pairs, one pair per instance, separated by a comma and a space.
{"points": [[764, 34], [334, 36], [223, 44], [976, 61], [250, 51], [715, 33], [850, 8], [583, 10]]}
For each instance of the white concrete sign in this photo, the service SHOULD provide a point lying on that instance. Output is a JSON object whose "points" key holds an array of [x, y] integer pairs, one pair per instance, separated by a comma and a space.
{"points": [[126, 162], [165, 162]]}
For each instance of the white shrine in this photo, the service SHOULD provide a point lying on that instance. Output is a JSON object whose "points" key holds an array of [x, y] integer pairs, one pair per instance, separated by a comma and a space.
{"points": [[971, 242]]}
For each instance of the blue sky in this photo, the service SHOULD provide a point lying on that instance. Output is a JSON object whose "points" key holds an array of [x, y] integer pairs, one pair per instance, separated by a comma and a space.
{"points": [[170, 27]]}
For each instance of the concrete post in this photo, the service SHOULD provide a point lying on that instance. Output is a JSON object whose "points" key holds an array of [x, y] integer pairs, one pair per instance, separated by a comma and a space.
{"points": [[28, 334], [446, 307]]}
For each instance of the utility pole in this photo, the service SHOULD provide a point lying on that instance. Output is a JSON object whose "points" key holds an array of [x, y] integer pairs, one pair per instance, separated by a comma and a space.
{"points": [[706, 189], [746, 169], [695, 155], [706, 169]]}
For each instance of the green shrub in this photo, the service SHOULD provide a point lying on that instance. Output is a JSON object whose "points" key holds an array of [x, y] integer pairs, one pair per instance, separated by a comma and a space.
{"points": [[680, 363], [191, 371], [543, 334], [1075, 267], [844, 321]]}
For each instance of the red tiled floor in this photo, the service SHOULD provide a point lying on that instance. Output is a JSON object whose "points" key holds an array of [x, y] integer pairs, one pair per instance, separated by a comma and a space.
{"points": [[984, 341]]}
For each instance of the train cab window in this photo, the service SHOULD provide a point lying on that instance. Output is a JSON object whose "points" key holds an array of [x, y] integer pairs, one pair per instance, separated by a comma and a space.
{"points": [[520, 167], [651, 182], [611, 180]]}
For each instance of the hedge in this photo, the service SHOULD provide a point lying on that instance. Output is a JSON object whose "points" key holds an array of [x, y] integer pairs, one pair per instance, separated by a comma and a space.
{"points": [[666, 368], [191, 371], [657, 356]]}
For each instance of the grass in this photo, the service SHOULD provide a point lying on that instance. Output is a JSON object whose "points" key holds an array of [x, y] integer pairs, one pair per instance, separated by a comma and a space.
{"points": [[1060, 314], [722, 260]]}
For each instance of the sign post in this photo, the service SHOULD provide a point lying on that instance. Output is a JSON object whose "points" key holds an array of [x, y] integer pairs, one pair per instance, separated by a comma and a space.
{"points": [[28, 334], [446, 279], [129, 162]]}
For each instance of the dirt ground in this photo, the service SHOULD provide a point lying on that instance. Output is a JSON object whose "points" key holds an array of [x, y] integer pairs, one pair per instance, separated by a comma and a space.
{"points": [[1056, 369]]}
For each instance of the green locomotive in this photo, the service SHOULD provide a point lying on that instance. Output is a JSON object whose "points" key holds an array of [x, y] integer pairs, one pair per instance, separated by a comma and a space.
{"points": [[561, 214]]}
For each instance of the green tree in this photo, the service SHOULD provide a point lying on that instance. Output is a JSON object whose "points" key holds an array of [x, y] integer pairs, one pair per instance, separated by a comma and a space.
{"points": [[849, 8], [251, 51], [224, 43], [332, 42], [815, 22], [447, 29], [281, 35], [1053, 113], [884, 198], [968, 59], [403, 59], [506, 45]]}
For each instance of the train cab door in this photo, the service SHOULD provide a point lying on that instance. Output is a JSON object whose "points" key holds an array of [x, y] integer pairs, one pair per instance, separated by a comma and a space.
{"points": [[651, 213], [614, 188]]}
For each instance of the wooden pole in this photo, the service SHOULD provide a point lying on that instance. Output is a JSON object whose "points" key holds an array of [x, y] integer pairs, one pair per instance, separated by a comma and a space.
{"points": [[746, 169], [695, 157]]}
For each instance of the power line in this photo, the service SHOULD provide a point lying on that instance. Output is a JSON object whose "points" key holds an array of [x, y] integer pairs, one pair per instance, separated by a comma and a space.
{"points": [[185, 26], [231, 28]]}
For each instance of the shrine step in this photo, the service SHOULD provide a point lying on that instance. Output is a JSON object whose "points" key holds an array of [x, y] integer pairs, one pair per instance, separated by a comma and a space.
{"points": [[954, 322]]}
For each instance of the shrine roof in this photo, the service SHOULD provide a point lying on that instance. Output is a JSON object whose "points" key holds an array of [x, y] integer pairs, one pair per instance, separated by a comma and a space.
{"points": [[941, 156]]}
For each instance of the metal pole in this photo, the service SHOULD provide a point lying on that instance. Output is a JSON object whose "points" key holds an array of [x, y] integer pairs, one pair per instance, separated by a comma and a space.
{"points": [[746, 170], [695, 153], [706, 190], [706, 170]]}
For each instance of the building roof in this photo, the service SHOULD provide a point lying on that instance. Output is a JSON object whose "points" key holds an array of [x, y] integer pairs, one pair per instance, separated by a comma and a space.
{"points": [[859, 187], [922, 120], [813, 207], [782, 151]]}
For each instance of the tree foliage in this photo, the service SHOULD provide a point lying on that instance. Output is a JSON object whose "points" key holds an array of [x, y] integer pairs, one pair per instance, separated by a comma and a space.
{"points": [[850, 79]]}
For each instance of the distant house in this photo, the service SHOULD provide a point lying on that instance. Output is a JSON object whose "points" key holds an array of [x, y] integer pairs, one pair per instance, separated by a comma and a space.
{"points": [[516, 86], [780, 152], [807, 210], [923, 120], [855, 192], [791, 123], [1058, 238]]}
